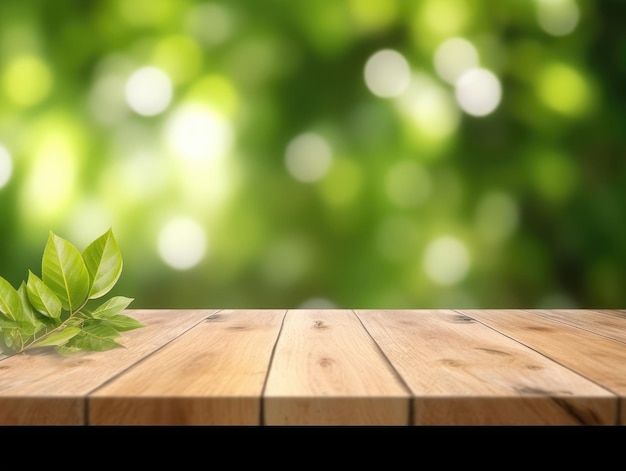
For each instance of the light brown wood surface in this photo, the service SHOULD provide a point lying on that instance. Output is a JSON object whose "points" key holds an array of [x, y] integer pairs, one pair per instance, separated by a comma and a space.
{"points": [[327, 370], [334, 367], [608, 323], [584, 350], [211, 375], [462, 372], [42, 388]]}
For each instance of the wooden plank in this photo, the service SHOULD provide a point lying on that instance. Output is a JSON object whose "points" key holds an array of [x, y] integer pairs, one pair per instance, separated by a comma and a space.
{"points": [[42, 387], [601, 359], [327, 371], [604, 322], [212, 375], [464, 373]]}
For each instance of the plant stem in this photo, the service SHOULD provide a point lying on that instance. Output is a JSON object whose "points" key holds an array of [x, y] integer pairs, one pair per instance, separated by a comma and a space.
{"points": [[56, 329]]}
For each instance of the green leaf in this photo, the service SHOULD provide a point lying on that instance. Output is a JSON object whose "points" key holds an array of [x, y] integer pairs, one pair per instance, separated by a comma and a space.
{"points": [[10, 301], [104, 263], [75, 321], [57, 338], [29, 323], [123, 323], [113, 306], [100, 328], [6, 323], [43, 298], [96, 336], [65, 350], [110, 311], [90, 343], [65, 272], [11, 338], [52, 310]]}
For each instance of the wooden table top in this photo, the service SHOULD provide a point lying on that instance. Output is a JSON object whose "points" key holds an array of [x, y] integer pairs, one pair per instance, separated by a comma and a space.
{"points": [[333, 367]]}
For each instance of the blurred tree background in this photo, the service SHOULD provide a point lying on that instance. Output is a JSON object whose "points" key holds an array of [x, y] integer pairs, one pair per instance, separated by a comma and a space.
{"points": [[353, 154]]}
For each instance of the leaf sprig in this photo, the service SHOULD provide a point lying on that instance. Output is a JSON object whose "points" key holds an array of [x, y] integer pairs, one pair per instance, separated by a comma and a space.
{"points": [[55, 310]]}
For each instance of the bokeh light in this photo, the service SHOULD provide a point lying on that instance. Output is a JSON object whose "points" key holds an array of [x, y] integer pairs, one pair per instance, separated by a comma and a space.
{"points": [[176, 59], [6, 166], [387, 73], [182, 243], [478, 92], [359, 154], [106, 101], [374, 16], [27, 80], [436, 19], [210, 22], [308, 157], [558, 17], [454, 57], [51, 184], [197, 132], [317, 303], [446, 260], [563, 89], [429, 109], [148, 91]]}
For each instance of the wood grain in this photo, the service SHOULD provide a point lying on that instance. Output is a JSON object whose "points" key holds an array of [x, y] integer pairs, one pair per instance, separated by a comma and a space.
{"points": [[596, 357], [608, 323], [334, 367], [212, 375], [462, 372], [601, 359], [43, 387], [327, 371]]}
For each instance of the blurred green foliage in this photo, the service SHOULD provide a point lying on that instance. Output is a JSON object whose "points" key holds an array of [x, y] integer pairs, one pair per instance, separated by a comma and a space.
{"points": [[254, 163]]}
